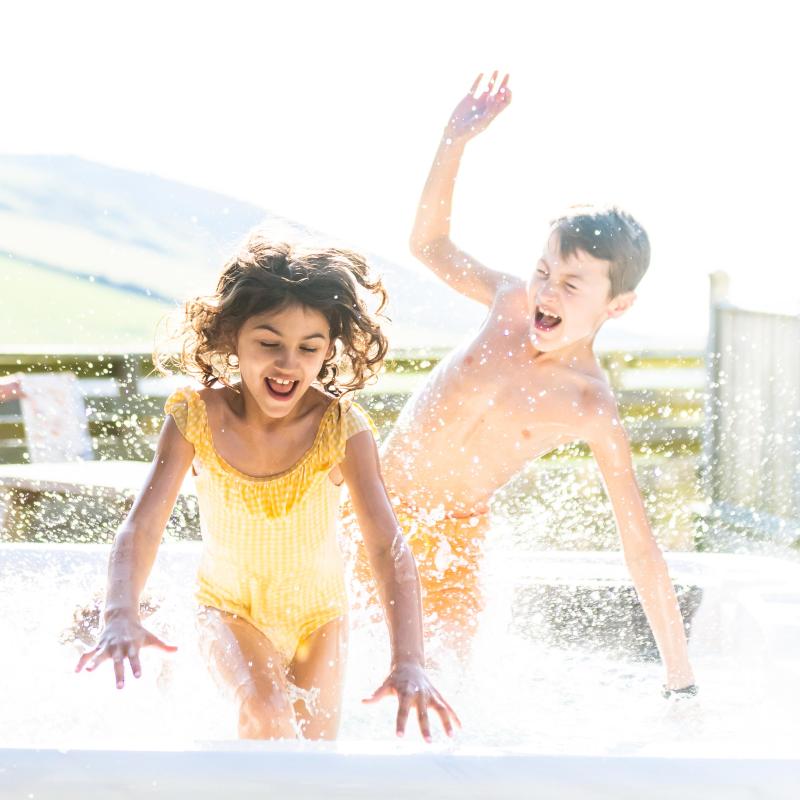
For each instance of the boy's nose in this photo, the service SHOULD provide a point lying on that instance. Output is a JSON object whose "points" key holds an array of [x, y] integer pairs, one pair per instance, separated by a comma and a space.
{"points": [[546, 291]]}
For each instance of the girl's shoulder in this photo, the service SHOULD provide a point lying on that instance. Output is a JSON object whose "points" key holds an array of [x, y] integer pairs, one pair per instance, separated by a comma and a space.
{"points": [[343, 414], [187, 407], [355, 419], [343, 419]]}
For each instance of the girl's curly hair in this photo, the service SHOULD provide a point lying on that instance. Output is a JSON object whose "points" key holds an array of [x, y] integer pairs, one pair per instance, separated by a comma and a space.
{"points": [[267, 276]]}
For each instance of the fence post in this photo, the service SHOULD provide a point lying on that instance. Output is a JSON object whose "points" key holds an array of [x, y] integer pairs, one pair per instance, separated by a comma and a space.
{"points": [[719, 288]]}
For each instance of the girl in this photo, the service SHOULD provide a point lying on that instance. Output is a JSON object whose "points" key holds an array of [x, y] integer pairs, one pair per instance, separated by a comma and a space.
{"points": [[269, 453]]}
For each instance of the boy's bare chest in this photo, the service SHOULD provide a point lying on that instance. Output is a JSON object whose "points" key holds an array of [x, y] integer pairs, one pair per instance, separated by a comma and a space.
{"points": [[507, 402]]}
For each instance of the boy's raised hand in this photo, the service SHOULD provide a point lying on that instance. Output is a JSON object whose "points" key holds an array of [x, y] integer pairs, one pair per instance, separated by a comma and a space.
{"points": [[474, 113], [122, 637], [410, 683]]}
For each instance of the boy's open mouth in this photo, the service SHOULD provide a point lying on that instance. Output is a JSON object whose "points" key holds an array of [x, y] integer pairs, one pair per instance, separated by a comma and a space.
{"points": [[281, 388], [545, 322]]}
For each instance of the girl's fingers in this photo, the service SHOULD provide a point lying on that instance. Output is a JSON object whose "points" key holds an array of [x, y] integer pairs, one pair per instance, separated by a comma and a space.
{"points": [[402, 712], [444, 715], [118, 653], [382, 691], [153, 640], [445, 704], [477, 83], [492, 82], [100, 655], [136, 667], [422, 716], [119, 669], [504, 85], [84, 658]]}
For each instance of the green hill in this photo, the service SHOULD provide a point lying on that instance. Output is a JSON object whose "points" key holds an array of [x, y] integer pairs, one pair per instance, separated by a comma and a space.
{"points": [[96, 254], [73, 312]]}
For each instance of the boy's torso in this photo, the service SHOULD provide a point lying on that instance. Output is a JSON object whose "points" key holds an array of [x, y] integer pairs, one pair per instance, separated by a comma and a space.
{"points": [[487, 410]]}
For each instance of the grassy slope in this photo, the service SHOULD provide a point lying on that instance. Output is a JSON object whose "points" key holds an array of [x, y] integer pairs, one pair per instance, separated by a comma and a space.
{"points": [[40, 309], [131, 228]]}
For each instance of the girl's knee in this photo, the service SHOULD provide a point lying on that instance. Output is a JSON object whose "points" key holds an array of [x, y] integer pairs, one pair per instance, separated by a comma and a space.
{"points": [[265, 711]]}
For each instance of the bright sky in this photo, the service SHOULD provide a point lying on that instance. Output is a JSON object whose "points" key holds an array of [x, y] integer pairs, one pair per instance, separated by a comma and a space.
{"points": [[329, 113]]}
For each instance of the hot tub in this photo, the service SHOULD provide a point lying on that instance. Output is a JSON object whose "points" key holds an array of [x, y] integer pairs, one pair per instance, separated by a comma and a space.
{"points": [[559, 699]]}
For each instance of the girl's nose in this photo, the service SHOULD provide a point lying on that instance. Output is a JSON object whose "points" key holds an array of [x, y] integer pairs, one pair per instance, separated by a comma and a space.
{"points": [[286, 359]]}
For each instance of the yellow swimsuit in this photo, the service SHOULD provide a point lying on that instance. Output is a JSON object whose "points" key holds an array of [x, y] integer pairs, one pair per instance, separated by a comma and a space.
{"points": [[270, 550]]}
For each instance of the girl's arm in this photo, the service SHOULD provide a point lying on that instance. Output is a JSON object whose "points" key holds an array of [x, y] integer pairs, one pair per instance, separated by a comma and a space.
{"points": [[430, 240], [132, 556], [398, 583]]}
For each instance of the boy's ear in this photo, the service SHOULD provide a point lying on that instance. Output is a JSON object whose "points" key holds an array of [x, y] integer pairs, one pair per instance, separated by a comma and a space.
{"points": [[620, 304]]}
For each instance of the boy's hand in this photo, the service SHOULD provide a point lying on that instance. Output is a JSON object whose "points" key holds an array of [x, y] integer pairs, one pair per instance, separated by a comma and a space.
{"points": [[410, 684], [122, 637], [473, 114]]}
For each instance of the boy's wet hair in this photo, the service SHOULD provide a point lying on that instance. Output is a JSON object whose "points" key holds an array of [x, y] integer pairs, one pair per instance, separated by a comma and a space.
{"points": [[610, 234], [269, 276]]}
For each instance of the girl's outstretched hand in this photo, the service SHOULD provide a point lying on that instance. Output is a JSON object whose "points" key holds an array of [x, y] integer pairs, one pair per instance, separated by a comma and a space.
{"points": [[410, 683], [122, 637], [474, 113]]}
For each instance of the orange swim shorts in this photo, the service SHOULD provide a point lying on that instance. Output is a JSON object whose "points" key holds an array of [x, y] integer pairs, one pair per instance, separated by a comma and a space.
{"points": [[448, 550]]}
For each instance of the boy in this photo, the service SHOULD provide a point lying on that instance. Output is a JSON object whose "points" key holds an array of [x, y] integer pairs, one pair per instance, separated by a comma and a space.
{"points": [[527, 383]]}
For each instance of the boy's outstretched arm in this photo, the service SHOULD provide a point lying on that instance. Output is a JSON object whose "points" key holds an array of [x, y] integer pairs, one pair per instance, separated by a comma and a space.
{"points": [[430, 240], [644, 559]]}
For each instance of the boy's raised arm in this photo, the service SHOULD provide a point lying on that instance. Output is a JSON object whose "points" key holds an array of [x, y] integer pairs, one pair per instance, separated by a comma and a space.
{"points": [[430, 240]]}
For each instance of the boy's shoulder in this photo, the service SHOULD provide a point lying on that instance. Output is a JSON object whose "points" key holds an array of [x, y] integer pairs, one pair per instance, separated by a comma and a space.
{"points": [[511, 303], [599, 413]]}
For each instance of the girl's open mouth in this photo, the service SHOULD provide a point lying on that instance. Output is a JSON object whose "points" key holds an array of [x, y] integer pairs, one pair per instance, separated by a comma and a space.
{"points": [[280, 388], [545, 322]]}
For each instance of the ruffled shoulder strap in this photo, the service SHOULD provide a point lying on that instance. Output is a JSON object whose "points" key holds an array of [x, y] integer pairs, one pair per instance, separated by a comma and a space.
{"points": [[341, 423], [356, 420], [186, 407]]}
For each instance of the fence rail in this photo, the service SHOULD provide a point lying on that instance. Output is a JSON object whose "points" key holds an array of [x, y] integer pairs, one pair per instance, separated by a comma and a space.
{"points": [[124, 399]]}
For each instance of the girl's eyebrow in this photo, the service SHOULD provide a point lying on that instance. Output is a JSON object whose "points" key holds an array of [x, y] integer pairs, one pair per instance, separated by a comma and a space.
{"points": [[269, 328]]}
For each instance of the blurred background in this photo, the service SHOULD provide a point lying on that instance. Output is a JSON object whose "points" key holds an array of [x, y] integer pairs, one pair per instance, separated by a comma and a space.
{"points": [[140, 142]]}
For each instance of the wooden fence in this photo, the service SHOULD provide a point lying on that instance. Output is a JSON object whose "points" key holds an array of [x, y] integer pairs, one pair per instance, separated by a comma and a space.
{"points": [[124, 400], [752, 439]]}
